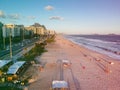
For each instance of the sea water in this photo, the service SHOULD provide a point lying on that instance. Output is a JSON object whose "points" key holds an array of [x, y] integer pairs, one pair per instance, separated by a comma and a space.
{"points": [[105, 44]]}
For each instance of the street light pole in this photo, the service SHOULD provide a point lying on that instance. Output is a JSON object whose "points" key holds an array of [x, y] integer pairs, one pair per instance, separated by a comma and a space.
{"points": [[4, 42], [4, 36], [23, 34], [10, 44]]}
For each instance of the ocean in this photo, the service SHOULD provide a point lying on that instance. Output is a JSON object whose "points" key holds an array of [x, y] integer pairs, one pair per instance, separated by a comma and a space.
{"points": [[105, 44]]}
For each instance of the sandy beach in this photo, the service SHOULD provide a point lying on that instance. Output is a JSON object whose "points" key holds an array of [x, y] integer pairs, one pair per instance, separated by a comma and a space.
{"points": [[89, 70]]}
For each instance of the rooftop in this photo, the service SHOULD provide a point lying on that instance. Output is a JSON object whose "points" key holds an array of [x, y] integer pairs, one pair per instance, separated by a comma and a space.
{"points": [[14, 68], [4, 62], [59, 84]]}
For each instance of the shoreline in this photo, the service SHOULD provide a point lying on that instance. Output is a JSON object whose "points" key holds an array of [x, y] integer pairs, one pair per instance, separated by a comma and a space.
{"points": [[107, 52], [89, 70]]}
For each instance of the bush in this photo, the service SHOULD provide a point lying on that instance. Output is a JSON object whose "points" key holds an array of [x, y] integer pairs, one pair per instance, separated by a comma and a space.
{"points": [[37, 50], [9, 88], [51, 39]]}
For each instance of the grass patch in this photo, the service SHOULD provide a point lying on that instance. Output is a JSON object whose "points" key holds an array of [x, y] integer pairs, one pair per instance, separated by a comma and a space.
{"points": [[36, 51], [9, 88], [51, 39]]}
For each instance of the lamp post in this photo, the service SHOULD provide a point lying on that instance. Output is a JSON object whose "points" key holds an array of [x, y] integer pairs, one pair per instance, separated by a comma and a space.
{"points": [[10, 44], [23, 34], [4, 36], [4, 42]]}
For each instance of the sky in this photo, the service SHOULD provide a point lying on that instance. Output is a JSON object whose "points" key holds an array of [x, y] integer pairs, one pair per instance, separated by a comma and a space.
{"points": [[64, 16]]}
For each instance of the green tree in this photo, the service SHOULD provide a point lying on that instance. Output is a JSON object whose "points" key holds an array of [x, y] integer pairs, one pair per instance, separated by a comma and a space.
{"points": [[1, 36]]}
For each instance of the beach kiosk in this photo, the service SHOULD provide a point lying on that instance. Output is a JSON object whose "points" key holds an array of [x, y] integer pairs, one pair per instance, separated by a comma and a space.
{"points": [[59, 85], [66, 63]]}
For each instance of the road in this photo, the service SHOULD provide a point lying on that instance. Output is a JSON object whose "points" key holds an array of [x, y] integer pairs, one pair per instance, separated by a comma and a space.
{"points": [[18, 49]]}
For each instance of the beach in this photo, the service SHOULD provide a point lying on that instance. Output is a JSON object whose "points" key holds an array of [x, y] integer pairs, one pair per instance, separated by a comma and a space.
{"points": [[89, 70]]}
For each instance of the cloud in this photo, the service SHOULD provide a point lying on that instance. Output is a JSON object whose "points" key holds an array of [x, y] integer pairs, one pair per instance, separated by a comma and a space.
{"points": [[31, 17], [9, 16], [2, 14], [13, 21], [56, 18], [49, 8], [14, 16]]}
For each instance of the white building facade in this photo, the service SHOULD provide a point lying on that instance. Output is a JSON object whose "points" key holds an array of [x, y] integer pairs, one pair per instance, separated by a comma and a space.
{"points": [[12, 29]]}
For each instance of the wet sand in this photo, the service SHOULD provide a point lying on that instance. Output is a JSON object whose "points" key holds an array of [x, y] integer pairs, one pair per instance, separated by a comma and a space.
{"points": [[89, 70]]}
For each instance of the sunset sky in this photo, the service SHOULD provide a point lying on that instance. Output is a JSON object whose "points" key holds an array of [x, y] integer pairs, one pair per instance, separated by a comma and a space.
{"points": [[67, 16]]}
